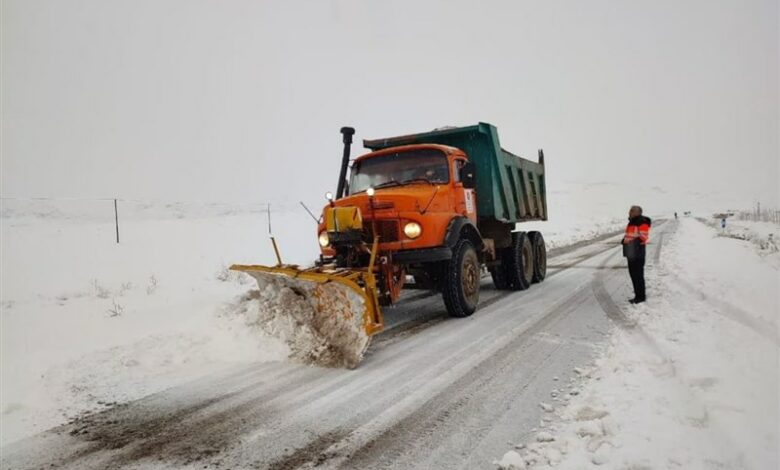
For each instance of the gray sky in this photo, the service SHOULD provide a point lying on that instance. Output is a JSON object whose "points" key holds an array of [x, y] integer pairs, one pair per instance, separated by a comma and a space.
{"points": [[242, 100]]}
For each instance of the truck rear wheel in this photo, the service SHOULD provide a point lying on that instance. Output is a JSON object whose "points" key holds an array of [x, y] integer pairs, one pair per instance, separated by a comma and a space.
{"points": [[500, 279], [460, 288], [540, 256], [518, 262]]}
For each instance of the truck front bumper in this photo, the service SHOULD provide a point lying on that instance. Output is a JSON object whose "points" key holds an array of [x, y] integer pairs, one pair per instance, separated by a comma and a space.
{"points": [[422, 255]]}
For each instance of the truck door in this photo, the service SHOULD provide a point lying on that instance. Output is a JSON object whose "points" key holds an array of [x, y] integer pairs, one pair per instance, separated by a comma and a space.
{"points": [[465, 199]]}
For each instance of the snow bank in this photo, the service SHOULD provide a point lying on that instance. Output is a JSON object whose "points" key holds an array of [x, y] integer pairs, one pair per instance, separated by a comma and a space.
{"points": [[321, 323], [88, 322], [731, 270], [765, 236], [694, 384]]}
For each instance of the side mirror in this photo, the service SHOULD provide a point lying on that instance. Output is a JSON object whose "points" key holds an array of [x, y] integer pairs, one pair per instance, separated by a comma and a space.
{"points": [[468, 176]]}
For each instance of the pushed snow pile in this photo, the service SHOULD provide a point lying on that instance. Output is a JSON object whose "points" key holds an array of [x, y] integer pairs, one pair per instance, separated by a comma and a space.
{"points": [[511, 461], [322, 323]]}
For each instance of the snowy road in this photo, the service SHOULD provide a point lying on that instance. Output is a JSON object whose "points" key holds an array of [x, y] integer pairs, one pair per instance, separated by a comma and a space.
{"points": [[433, 392]]}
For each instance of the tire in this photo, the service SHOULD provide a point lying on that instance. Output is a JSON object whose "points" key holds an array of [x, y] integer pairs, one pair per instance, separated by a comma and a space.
{"points": [[518, 262], [540, 256], [500, 280], [460, 286]]}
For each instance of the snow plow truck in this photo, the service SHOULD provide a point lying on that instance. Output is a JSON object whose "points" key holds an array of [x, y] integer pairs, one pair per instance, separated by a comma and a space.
{"points": [[426, 211]]}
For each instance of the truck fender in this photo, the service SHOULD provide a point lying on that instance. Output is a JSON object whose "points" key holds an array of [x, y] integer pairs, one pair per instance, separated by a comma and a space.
{"points": [[461, 227]]}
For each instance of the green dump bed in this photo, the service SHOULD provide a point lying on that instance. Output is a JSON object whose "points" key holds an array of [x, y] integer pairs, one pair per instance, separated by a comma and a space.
{"points": [[509, 188]]}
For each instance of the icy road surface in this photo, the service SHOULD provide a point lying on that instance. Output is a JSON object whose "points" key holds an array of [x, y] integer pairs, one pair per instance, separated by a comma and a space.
{"points": [[432, 392]]}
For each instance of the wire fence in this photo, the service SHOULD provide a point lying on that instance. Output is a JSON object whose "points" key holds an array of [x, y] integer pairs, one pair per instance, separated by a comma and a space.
{"points": [[760, 215], [118, 210], [71, 206]]}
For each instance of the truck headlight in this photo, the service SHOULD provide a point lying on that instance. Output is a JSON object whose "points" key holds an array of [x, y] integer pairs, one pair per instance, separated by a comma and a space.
{"points": [[324, 239], [412, 230]]}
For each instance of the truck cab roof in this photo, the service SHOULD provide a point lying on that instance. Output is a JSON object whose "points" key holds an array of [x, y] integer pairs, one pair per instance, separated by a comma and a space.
{"points": [[448, 150]]}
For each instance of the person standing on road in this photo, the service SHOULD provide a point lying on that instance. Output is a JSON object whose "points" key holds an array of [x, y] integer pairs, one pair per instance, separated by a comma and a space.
{"points": [[634, 243]]}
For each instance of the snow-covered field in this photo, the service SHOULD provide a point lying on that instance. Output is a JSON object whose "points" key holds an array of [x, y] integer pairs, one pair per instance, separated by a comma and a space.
{"points": [[690, 379], [764, 235], [87, 322]]}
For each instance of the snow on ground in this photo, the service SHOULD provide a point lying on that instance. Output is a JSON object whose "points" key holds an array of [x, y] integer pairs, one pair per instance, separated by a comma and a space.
{"points": [[692, 384], [88, 322], [765, 235]]}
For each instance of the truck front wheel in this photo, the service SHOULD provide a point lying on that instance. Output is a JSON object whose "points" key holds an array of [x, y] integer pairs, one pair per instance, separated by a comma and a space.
{"points": [[461, 281]]}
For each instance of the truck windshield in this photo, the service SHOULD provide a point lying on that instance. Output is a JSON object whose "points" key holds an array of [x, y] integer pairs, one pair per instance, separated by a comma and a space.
{"points": [[394, 169]]}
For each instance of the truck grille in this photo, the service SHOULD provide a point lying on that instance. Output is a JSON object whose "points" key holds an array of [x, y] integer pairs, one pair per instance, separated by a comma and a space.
{"points": [[387, 231]]}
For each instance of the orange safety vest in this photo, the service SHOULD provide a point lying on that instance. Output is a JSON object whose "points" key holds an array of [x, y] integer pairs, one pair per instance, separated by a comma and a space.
{"points": [[638, 228]]}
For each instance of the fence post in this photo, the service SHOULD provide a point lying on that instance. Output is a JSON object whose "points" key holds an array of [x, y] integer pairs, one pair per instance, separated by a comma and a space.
{"points": [[116, 220], [268, 212]]}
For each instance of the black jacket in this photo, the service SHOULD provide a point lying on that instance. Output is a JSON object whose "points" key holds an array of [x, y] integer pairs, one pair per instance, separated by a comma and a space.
{"points": [[639, 220], [635, 250]]}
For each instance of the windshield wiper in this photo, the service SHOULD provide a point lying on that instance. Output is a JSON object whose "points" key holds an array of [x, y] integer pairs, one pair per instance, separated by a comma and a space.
{"points": [[412, 180], [388, 183]]}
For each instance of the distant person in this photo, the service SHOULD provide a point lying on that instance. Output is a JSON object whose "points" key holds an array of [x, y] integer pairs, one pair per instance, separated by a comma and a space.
{"points": [[675, 216], [634, 243]]}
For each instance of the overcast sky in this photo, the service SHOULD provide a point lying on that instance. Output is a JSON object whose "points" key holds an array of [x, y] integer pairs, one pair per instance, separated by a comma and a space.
{"points": [[242, 100]]}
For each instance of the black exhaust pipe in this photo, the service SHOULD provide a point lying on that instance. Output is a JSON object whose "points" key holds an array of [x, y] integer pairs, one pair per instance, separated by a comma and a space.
{"points": [[347, 133]]}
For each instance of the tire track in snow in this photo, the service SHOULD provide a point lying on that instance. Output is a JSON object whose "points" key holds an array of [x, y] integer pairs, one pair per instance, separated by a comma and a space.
{"points": [[464, 396], [425, 412], [304, 454], [620, 319], [402, 330], [148, 428], [307, 409], [728, 310], [699, 414], [734, 313], [657, 255], [616, 314]]}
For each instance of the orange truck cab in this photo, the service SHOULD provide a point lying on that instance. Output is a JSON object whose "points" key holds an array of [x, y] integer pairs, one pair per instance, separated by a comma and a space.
{"points": [[437, 208]]}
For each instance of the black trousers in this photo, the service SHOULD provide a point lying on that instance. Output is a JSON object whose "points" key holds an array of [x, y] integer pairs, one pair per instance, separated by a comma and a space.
{"points": [[636, 268]]}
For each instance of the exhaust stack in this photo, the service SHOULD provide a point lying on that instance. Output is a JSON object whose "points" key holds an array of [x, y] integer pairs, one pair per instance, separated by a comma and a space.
{"points": [[347, 133]]}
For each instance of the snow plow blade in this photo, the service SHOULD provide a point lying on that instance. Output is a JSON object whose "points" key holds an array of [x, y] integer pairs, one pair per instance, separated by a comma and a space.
{"points": [[326, 315]]}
